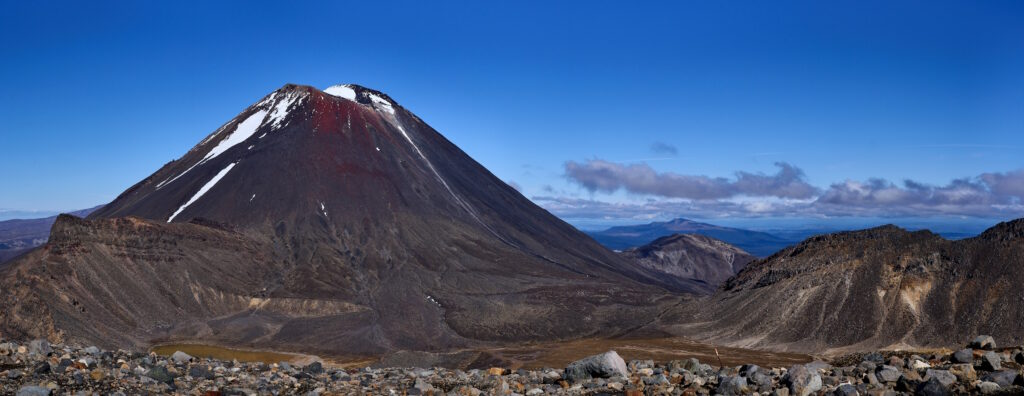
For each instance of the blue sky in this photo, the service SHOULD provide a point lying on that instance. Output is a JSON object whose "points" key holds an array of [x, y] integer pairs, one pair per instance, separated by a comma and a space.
{"points": [[602, 112]]}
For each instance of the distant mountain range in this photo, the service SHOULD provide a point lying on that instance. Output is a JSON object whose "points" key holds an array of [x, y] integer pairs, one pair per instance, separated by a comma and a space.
{"points": [[20, 235], [758, 243]]}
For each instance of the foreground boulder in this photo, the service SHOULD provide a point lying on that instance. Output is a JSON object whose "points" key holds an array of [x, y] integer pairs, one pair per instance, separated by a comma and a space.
{"points": [[605, 365], [802, 381], [964, 356]]}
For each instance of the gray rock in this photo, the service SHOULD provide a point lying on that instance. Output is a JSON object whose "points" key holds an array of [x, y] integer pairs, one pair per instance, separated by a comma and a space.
{"points": [[423, 386], [983, 342], [42, 368], [201, 372], [932, 387], [33, 391], [818, 365], [39, 347], [846, 390], [160, 374], [964, 372], [1003, 377], [732, 386], [988, 388], [990, 361], [762, 380], [964, 356], [874, 357], [180, 357], [692, 365], [659, 379], [871, 378], [887, 373], [943, 376], [802, 381], [605, 365], [314, 368], [91, 350]]}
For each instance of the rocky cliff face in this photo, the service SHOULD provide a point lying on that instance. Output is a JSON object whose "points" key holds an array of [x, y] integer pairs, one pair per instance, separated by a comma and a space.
{"points": [[691, 256], [877, 288], [19, 235], [332, 222]]}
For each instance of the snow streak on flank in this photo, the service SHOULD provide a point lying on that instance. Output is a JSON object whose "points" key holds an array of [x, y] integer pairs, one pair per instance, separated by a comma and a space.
{"points": [[214, 134], [206, 187], [244, 130], [383, 103], [168, 181], [431, 299], [253, 197], [323, 209], [458, 200], [280, 111], [341, 91]]}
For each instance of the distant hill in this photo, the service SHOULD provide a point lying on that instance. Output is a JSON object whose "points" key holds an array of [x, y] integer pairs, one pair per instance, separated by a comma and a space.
{"points": [[19, 235], [760, 244], [691, 257]]}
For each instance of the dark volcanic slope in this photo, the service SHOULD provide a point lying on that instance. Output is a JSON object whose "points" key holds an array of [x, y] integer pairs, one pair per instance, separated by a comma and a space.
{"points": [[346, 225], [19, 235], [691, 256], [624, 237], [867, 289]]}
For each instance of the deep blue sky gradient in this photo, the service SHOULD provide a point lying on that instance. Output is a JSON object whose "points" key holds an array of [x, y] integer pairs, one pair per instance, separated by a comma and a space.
{"points": [[98, 95]]}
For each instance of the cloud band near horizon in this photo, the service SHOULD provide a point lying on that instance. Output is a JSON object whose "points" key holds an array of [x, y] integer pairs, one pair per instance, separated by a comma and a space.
{"points": [[784, 193]]}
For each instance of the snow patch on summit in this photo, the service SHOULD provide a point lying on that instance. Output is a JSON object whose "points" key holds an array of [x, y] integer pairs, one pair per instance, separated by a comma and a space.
{"points": [[280, 111], [342, 91], [384, 104]]}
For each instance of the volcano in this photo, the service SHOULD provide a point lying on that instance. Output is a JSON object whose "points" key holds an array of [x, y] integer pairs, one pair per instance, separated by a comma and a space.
{"points": [[334, 222]]}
